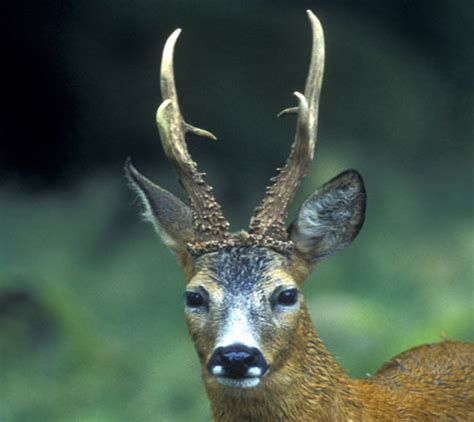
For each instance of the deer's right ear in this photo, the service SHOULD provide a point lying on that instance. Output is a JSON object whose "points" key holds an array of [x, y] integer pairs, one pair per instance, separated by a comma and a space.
{"points": [[331, 218], [171, 218]]}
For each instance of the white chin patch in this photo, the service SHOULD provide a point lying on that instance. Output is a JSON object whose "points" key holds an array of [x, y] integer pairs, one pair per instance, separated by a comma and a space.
{"points": [[239, 383]]}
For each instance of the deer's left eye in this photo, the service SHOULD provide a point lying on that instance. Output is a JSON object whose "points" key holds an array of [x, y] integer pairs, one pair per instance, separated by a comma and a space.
{"points": [[287, 297]]}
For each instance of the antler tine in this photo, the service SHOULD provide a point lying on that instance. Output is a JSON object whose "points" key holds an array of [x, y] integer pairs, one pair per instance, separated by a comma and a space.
{"points": [[269, 217], [208, 219]]}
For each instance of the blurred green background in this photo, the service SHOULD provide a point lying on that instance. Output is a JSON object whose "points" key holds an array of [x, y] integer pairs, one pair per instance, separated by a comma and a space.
{"points": [[91, 320]]}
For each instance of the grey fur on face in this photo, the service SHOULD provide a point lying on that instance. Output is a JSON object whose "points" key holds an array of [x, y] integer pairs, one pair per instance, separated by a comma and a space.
{"points": [[240, 269], [244, 275]]}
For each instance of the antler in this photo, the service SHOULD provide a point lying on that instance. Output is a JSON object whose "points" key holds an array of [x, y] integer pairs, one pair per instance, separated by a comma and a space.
{"points": [[208, 219], [269, 218]]}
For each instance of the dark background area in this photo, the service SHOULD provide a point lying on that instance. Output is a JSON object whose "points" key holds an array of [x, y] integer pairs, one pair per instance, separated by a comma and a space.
{"points": [[80, 79], [90, 302]]}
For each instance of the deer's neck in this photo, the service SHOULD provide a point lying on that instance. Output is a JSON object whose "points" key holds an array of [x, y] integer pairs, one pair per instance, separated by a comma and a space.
{"points": [[310, 386]]}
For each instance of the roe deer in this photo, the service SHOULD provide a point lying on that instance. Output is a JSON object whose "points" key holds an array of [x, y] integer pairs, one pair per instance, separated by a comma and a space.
{"points": [[261, 357]]}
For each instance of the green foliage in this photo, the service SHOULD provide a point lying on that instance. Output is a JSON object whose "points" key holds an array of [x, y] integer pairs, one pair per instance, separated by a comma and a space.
{"points": [[111, 343]]}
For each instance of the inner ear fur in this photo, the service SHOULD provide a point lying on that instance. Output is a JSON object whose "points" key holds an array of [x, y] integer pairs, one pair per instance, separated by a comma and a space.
{"points": [[171, 218], [330, 219]]}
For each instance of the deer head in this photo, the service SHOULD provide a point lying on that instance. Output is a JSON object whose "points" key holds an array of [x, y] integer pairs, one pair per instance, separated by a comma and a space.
{"points": [[244, 301]]}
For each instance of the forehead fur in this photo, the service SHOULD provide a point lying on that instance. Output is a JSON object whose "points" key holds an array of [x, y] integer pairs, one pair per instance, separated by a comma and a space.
{"points": [[241, 268]]}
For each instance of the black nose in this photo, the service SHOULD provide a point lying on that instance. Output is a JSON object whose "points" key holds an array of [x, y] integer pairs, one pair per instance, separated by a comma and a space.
{"points": [[236, 360]]}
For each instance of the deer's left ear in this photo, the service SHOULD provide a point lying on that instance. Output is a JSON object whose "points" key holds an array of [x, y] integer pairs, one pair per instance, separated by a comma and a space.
{"points": [[330, 219]]}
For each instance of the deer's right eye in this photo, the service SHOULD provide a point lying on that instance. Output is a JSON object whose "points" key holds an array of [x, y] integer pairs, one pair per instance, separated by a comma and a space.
{"points": [[194, 300]]}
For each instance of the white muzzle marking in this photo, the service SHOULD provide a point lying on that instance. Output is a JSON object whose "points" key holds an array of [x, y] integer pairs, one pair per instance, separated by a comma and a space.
{"points": [[237, 329]]}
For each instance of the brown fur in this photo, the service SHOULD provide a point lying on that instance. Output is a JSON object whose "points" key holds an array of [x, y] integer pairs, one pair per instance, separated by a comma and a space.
{"points": [[433, 382], [248, 272]]}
